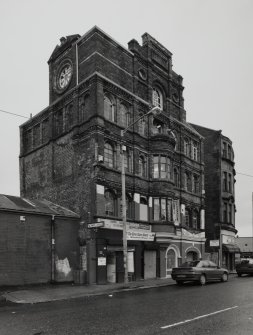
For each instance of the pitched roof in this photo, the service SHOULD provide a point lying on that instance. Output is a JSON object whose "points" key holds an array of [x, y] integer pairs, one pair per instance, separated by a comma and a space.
{"points": [[18, 204]]}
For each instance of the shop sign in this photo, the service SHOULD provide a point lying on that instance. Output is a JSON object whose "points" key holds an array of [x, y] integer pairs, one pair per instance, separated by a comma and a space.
{"points": [[140, 236], [101, 261], [226, 239], [96, 225], [214, 243], [118, 225]]}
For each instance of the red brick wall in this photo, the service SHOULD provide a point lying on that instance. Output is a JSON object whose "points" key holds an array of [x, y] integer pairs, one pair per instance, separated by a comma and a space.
{"points": [[25, 249]]}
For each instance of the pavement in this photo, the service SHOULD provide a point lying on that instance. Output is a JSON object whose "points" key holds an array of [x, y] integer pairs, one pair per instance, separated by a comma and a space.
{"points": [[56, 292]]}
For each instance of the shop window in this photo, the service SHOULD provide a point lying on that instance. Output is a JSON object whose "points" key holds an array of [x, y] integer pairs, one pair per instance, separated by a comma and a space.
{"points": [[110, 203], [157, 98], [109, 109], [109, 158]]}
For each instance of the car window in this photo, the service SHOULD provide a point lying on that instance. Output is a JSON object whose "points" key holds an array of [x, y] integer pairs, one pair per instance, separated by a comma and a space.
{"points": [[189, 264], [205, 264], [245, 261], [212, 264]]}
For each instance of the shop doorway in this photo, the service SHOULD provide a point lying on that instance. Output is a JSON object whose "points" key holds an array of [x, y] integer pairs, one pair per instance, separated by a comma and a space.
{"points": [[191, 256], [149, 264], [171, 261]]}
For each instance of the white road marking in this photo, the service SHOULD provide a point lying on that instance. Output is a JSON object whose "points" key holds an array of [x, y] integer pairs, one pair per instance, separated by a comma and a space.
{"points": [[198, 317]]}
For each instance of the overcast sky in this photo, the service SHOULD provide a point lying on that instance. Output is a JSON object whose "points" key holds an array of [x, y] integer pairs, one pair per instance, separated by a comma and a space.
{"points": [[211, 42]]}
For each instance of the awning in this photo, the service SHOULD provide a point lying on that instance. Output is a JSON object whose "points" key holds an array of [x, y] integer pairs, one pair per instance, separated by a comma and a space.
{"points": [[232, 248]]}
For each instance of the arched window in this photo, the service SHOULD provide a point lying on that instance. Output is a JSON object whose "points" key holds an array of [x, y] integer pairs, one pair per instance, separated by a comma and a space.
{"points": [[110, 203], [109, 155], [109, 110], [195, 184], [83, 107], [157, 98], [187, 149], [195, 151], [142, 166], [141, 124], [124, 116], [128, 160], [176, 177], [158, 127], [195, 219], [188, 184]]}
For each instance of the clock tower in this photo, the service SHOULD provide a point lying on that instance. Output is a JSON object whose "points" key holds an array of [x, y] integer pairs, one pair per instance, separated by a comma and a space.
{"points": [[62, 68]]}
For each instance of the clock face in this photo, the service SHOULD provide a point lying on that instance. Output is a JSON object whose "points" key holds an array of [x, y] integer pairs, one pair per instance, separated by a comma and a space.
{"points": [[65, 76]]}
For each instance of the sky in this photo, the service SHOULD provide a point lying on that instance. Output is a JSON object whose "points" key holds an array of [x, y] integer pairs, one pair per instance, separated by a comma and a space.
{"points": [[211, 42]]}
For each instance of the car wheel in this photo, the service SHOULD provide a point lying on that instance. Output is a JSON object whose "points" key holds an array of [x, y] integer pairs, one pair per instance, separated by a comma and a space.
{"points": [[239, 274], [179, 282], [224, 277], [202, 280]]}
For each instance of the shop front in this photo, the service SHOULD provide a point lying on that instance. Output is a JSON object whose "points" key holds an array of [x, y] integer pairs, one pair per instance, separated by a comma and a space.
{"points": [[141, 252], [229, 250]]}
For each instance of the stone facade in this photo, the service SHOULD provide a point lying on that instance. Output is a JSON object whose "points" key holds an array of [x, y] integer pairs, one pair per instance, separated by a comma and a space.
{"points": [[70, 154]]}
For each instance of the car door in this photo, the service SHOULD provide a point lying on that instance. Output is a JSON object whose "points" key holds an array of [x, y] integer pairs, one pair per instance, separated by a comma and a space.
{"points": [[206, 269], [215, 271]]}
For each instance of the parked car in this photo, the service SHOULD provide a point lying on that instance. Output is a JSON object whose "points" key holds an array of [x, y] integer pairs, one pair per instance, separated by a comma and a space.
{"points": [[200, 271], [245, 267]]}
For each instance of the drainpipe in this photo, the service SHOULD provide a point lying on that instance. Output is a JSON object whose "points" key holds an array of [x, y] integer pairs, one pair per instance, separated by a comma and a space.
{"points": [[52, 249]]}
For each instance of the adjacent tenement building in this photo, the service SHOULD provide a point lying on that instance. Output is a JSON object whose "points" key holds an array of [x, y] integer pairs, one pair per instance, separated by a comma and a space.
{"points": [[70, 154], [220, 197]]}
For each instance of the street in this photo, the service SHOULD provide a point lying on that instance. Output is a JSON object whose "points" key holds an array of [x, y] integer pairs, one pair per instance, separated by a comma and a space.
{"points": [[216, 308]]}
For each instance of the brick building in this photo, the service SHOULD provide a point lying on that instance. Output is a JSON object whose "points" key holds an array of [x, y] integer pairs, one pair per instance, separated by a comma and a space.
{"points": [[70, 154], [38, 242], [220, 195]]}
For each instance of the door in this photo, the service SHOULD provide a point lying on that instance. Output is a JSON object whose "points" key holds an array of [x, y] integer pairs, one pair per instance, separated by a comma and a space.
{"points": [[111, 268], [170, 261], [192, 256], [149, 264], [120, 271]]}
